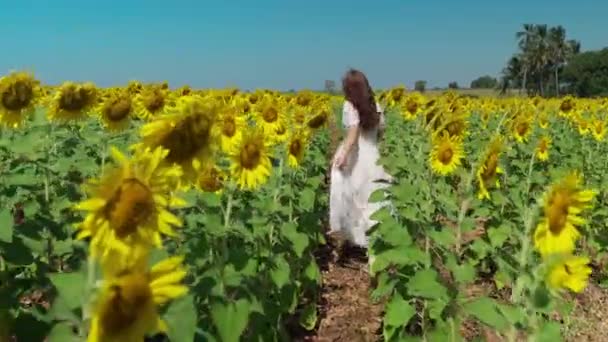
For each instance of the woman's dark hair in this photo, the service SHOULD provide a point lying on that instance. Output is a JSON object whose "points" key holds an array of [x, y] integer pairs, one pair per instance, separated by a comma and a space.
{"points": [[357, 91]]}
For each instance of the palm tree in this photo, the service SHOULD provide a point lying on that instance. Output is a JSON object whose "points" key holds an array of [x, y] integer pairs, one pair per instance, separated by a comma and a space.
{"points": [[559, 50], [542, 50], [511, 74], [525, 39]]}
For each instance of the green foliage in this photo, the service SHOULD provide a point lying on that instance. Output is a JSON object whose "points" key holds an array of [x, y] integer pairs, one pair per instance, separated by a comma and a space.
{"points": [[424, 263], [484, 82], [587, 74], [420, 86]]}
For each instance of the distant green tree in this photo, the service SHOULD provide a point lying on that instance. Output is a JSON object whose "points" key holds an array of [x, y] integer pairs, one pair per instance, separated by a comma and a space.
{"points": [[453, 85], [330, 86], [484, 82], [420, 86], [586, 74]]}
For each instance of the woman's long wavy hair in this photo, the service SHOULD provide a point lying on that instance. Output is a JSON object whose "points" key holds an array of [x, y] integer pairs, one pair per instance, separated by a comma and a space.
{"points": [[357, 91]]}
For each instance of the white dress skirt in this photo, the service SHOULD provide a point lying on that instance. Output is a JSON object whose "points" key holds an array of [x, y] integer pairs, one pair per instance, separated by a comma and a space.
{"points": [[351, 187]]}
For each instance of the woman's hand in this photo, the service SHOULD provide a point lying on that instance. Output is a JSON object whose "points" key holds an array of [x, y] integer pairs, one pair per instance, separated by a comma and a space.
{"points": [[340, 161]]}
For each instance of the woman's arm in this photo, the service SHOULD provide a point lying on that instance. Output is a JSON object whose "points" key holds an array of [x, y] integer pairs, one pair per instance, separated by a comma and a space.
{"points": [[351, 139]]}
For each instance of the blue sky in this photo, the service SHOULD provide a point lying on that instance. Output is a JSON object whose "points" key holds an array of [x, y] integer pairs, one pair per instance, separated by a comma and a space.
{"points": [[277, 44]]}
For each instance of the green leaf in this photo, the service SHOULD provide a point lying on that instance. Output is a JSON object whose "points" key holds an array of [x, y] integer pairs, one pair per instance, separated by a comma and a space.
{"points": [[464, 274], [405, 192], [307, 199], [377, 196], [62, 332], [499, 235], [298, 240], [486, 311], [425, 284], [515, 315], [393, 233], [308, 318], [401, 256], [231, 319], [70, 286], [444, 237], [549, 332], [280, 272], [17, 253], [6, 226], [541, 298], [312, 272], [181, 319], [398, 312]]}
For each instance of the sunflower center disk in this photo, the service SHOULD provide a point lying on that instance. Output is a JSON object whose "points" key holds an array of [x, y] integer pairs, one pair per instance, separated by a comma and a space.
{"points": [[154, 102], [446, 155], [317, 121], [295, 148], [119, 110], [131, 206], [187, 139], [250, 156], [229, 128], [557, 213], [522, 128], [73, 100], [491, 165], [270, 115], [212, 181], [17, 96], [125, 303], [411, 106]]}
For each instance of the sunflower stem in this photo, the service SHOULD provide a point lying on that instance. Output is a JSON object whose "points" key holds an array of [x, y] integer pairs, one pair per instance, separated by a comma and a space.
{"points": [[90, 284]]}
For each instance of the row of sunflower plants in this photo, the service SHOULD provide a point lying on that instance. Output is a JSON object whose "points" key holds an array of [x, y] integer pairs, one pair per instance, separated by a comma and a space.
{"points": [[198, 220], [496, 212]]}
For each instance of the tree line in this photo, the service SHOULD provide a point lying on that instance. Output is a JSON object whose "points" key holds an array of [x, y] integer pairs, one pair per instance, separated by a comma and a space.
{"points": [[547, 63]]}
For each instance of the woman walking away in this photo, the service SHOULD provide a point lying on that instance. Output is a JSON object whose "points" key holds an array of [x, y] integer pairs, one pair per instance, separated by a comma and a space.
{"points": [[355, 172]]}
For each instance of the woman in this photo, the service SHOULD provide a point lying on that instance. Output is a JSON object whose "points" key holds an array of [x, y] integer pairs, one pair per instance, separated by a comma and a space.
{"points": [[355, 172]]}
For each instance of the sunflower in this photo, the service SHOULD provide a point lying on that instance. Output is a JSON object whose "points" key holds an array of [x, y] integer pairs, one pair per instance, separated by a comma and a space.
{"points": [[489, 170], [542, 150], [296, 148], [151, 101], [19, 93], [583, 126], [231, 126], [281, 135], [395, 96], [269, 115], [190, 132], [128, 207], [319, 119], [72, 102], [116, 110], [543, 120], [446, 154], [557, 231], [134, 87], [412, 106], [570, 272], [210, 178], [127, 306], [304, 98], [521, 127], [567, 106], [598, 129], [251, 163]]}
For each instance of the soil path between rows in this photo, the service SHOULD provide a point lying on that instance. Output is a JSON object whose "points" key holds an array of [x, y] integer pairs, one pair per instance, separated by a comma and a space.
{"points": [[345, 310]]}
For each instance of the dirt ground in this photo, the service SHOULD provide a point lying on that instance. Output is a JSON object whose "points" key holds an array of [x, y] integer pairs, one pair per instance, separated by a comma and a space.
{"points": [[345, 310]]}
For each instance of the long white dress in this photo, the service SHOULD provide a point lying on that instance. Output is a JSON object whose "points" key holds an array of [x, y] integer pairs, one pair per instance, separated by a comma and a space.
{"points": [[352, 186]]}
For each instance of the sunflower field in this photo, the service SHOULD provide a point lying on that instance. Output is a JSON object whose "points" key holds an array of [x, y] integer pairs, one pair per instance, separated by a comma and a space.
{"points": [[141, 209]]}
